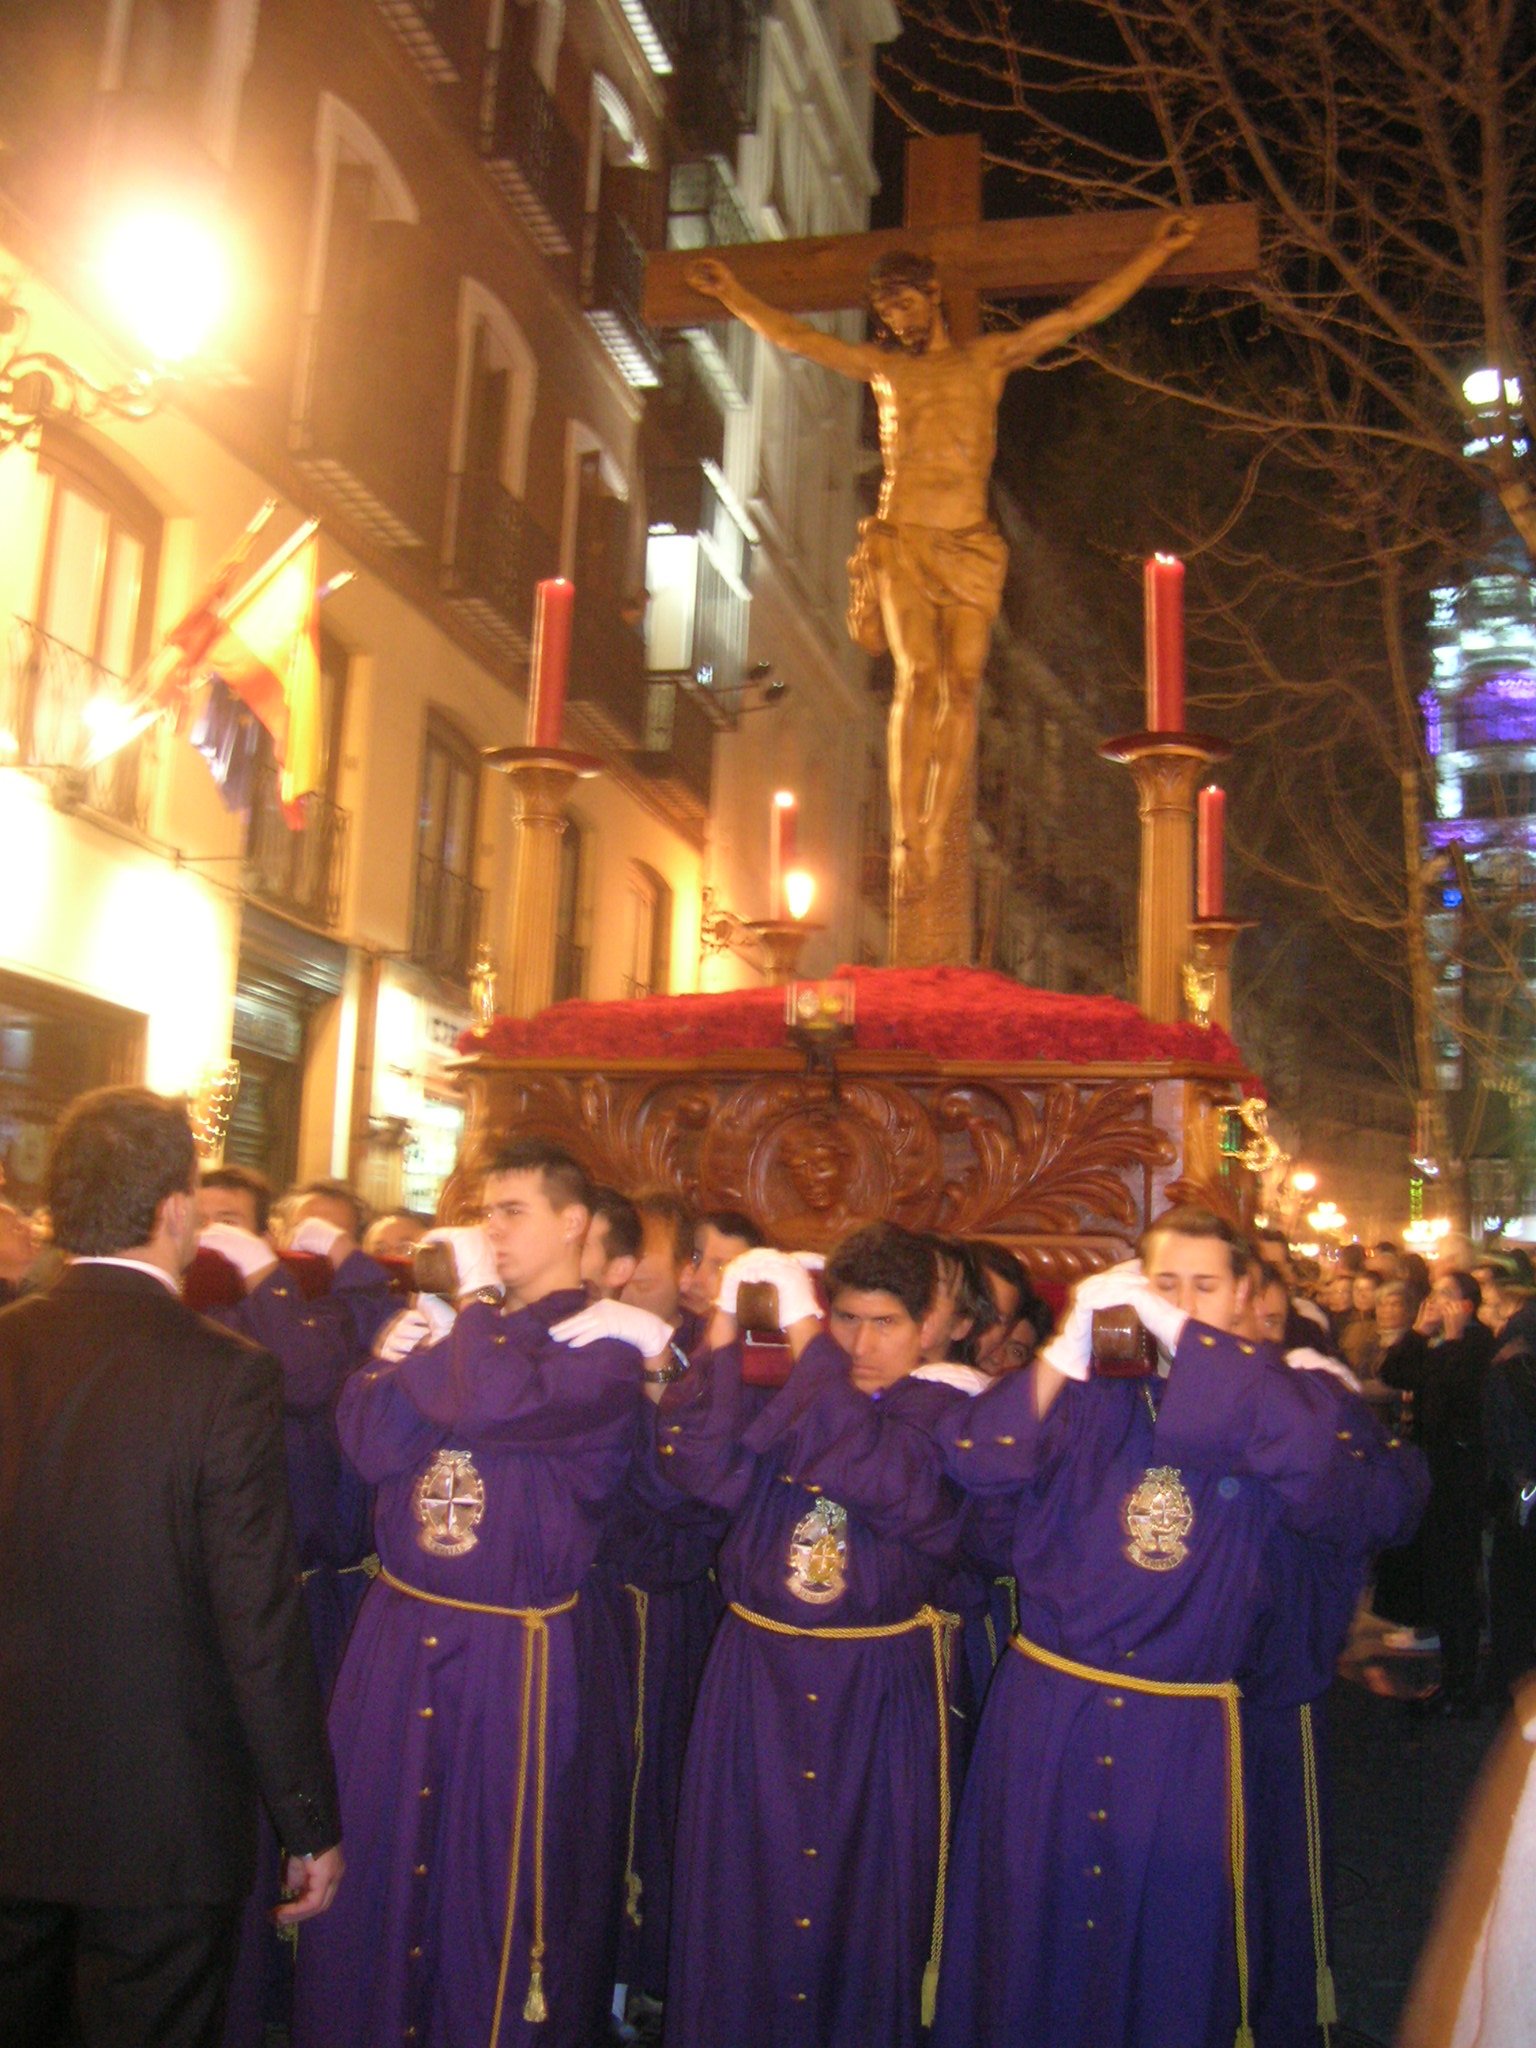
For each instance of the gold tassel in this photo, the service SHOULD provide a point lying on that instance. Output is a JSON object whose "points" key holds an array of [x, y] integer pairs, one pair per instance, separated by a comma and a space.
{"points": [[534, 2007], [931, 1992], [1244, 2038], [633, 1887], [1327, 2003]]}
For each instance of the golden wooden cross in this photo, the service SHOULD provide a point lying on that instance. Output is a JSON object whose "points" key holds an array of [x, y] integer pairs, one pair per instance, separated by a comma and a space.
{"points": [[1026, 257]]}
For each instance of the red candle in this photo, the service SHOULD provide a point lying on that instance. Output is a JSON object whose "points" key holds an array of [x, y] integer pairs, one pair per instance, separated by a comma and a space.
{"points": [[781, 848], [1211, 873], [554, 604], [1162, 584]]}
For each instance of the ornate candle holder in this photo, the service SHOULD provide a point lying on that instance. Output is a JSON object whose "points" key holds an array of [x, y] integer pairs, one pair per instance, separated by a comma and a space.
{"points": [[541, 782], [783, 940], [1212, 940], [1168, 767]]}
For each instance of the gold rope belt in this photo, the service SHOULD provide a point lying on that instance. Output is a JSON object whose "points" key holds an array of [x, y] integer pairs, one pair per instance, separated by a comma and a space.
{"points": [[938, 1623], [1164, 1688], [632, 1884], [1327, 2000], [535, 1623]]}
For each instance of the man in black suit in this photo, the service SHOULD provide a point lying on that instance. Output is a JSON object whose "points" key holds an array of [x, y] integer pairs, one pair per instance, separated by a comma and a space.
{"points": [[155, 1663]]}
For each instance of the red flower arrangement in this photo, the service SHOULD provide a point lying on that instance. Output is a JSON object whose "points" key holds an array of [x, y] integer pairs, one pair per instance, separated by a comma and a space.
{"points": [[942, 1013]]}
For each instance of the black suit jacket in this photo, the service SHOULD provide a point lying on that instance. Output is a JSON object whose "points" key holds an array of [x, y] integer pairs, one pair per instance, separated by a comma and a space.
{"points": [[155, 1662]]}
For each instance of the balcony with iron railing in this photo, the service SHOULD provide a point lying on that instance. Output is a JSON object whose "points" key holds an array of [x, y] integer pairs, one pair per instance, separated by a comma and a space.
{"points": [[705, 211], [533, 157], [445, 922], [707, 623], [679, 747], [56, 706], [442, 35], [684, 421], [614, 293], [301, 871], [499, 553], [715, 72]]}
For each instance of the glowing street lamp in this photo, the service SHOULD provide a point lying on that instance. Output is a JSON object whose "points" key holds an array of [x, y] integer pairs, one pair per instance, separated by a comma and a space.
{"points": [[1303, 1180], [1327, 1219], [166, 276], [799, 894]]}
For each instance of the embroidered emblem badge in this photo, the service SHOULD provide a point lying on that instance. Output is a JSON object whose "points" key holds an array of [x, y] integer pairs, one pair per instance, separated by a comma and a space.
{"points": [[1157, 1515], [449, 1501], [818, 1554]]}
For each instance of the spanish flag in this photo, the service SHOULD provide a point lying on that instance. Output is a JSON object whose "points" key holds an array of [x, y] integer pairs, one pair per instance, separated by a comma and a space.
{"points": [[267, 653]]}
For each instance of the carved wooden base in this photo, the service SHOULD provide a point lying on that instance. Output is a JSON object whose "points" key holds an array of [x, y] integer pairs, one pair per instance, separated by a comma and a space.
{"points": [[1067, 1167]]}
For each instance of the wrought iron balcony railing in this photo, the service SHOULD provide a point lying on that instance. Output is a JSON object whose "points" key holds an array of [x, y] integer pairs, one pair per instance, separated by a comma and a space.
{"points": [[56, 704], [615, 292], [679, 740], [535, 159], [440, 35], [303, 871], [499, 554], [445, 925]]}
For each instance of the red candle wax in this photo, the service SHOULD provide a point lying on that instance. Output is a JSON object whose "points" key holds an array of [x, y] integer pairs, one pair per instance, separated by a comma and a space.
{"points": [[1162, 584], [1211, 873], [554, 605], [781, 848]]}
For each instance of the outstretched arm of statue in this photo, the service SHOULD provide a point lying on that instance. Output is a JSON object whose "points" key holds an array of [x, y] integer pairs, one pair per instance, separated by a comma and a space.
{"points": [[1017, 350], [796, 337]]}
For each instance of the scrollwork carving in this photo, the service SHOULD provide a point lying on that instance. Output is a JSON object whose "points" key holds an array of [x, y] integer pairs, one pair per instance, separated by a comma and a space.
{"points": [[1048, 1160]]}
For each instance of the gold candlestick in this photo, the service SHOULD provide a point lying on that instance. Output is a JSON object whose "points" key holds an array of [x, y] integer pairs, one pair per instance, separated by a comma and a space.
{"points": [[1211, 941], [783, 939], [541, 782], [1168, 767]]}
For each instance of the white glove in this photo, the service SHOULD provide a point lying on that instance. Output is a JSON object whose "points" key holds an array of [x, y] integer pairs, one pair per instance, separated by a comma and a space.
{"points": [[649, 1334], [314, 1234], [243, 1248], [1070, 1351], [813, 1262], [441, 1315], [473, 1259], [967, 1379], [1305, 1359], [797, 1294], [402, 1335]]}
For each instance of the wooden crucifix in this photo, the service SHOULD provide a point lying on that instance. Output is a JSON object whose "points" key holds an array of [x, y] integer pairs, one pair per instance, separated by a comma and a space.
{"points": [[927, 578]]}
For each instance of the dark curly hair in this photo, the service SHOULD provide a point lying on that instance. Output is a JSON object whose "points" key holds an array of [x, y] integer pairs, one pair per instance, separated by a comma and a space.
{"points": [[884, 1259], [117, 1155]]}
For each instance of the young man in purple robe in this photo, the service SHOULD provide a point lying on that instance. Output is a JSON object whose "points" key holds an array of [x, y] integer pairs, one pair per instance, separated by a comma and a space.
{"points": [[1099, 1854], [1311, 1589], [479, 1753], [807, 1893]]}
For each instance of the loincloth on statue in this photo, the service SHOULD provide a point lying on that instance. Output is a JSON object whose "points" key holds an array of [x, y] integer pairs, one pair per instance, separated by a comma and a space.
{"points": [[950, 566]]}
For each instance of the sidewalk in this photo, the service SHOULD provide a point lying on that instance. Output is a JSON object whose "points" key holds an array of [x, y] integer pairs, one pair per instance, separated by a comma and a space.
{"points": [[1399, 1785]]}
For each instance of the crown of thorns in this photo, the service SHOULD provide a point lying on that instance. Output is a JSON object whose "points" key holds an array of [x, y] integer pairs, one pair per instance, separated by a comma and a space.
{"points": [[901, 270]]}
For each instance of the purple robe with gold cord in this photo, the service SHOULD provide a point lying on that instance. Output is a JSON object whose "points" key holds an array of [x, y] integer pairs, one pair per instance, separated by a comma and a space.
{"points": [[479, 1751], [1091, 1888], [808, 1840], [316, 1343], [1311, 1588]]}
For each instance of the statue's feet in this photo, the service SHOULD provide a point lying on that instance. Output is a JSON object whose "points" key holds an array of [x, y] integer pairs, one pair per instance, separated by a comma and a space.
{"points": [[909, 867]]}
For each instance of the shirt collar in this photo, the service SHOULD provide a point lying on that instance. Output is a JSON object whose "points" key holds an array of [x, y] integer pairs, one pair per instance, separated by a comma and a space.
{"points": [[136, 1266]]}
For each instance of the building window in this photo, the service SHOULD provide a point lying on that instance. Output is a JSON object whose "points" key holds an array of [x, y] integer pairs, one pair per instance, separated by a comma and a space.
{"points": [[570, 954], [54, 1044], [446, 923], [361, 405], [68, 666], [484, 529], [649, 938]]}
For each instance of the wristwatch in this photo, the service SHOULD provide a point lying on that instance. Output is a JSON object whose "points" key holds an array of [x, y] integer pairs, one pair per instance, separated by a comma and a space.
{"points": [[664, 1375]]}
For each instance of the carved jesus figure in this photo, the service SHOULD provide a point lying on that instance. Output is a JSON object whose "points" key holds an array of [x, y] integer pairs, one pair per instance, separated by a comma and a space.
{"points": [[927, 578]]}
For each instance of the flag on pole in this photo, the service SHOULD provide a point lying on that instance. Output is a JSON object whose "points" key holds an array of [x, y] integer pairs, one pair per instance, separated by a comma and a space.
{"points": [[267, 653]]}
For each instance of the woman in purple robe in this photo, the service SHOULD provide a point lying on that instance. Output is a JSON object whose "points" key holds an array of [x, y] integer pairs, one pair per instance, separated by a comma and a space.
{"points": [[473, 1720], [1098, 1856], [815, 1792]]}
